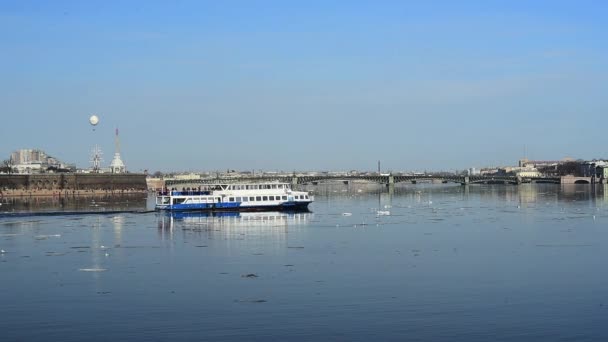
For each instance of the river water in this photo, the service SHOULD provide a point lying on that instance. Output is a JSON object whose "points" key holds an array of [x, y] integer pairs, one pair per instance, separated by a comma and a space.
{"points": [[420, 263]]}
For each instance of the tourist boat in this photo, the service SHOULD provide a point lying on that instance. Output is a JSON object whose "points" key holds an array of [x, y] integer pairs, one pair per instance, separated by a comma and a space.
{"points": [[235, 197]]}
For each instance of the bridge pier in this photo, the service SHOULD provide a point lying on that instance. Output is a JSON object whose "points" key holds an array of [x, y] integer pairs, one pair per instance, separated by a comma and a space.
{"points": [[294, 181], [391, 180], [466, 180]]}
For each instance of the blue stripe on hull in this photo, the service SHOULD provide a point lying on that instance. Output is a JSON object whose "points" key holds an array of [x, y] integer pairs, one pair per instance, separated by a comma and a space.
{"points": [[236, 207]]}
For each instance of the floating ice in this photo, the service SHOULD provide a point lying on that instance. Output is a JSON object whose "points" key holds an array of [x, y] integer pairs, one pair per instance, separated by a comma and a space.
{"points": [[92, 269], [383, 213], [347, 214], [46, 236]]}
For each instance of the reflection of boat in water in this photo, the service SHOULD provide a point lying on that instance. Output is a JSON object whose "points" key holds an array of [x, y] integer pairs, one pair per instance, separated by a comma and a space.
{"points": [[233, 221], [239, 218], [235, 197]]}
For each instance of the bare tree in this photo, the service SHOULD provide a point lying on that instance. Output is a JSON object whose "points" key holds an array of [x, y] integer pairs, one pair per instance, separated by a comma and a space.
{"points": [[572, 168], [7, 166]]}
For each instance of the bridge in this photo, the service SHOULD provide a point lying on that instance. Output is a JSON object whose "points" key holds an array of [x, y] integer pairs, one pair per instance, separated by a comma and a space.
{"points": [[381, 179]]}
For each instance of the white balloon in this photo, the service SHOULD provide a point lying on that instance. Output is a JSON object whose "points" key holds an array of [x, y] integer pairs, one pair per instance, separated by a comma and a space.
{"points": [[94, 120]]}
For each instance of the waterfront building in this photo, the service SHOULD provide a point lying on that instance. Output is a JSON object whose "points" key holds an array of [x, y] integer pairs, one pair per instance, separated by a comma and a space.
{"points": [[528, 173], [30, 161], [187, 176], [117, 165]]}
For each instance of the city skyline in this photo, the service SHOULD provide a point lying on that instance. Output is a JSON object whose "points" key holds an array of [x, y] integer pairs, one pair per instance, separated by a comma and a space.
{"points": [[24, 157], [316, 86]]}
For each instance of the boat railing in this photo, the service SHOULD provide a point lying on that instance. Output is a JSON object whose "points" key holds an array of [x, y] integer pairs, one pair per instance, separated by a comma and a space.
{"points": [[184, 193]]}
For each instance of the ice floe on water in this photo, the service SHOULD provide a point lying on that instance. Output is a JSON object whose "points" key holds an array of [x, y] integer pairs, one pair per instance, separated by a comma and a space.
{"points": [[92, 269]]}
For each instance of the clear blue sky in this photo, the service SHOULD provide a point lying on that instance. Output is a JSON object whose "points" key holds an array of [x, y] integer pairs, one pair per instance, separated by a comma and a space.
{"points": [[313, 85]]}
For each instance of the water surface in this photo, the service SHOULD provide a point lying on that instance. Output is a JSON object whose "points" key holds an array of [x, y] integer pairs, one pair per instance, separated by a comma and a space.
{"points": [[424, 262]]}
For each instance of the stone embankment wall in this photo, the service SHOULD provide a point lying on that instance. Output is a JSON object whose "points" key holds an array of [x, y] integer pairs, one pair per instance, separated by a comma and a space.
{"points": [[62, 182], [579, 180]]}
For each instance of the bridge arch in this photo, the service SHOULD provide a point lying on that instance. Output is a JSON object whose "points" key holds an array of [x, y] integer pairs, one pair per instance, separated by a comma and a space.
{"points": [[437, 180], [582, 181], [493, 181]]}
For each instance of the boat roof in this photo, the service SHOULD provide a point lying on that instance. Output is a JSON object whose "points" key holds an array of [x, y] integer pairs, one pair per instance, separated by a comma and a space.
{"points": [[252, 183]]}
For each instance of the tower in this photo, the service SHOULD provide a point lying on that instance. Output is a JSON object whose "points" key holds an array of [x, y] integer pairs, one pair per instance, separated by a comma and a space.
{"points": [[96, 158], [117, 166]]}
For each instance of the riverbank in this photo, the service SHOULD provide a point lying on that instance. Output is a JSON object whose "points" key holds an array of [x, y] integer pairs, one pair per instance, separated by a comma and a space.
{"points": [[67, 193]]}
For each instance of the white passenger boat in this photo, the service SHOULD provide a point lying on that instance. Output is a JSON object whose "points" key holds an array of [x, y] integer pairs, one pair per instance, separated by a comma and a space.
{"points": [[235, 197]]}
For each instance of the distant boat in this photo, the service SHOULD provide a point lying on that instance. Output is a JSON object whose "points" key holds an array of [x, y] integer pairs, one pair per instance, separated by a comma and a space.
{"points": [[235, 197]]}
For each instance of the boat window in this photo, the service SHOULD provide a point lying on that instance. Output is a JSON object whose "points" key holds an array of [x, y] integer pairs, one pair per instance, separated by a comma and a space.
{"points": [[230, 199], [245, 199], [298, 197], [265, 198], [271, 198], [274, 186], [258, 198], [306, 196], [252, 198], [178, 200], [284, 198]]}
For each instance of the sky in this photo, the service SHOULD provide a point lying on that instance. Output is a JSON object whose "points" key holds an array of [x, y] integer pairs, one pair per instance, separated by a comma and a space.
{"points": [[305, 85]]}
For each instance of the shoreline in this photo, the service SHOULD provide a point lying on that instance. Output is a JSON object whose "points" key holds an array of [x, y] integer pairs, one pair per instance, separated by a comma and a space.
{"points": [[66, 193]]}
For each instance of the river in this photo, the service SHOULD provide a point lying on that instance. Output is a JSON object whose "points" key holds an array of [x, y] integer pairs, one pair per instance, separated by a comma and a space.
{"points": [[417, 263]]}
